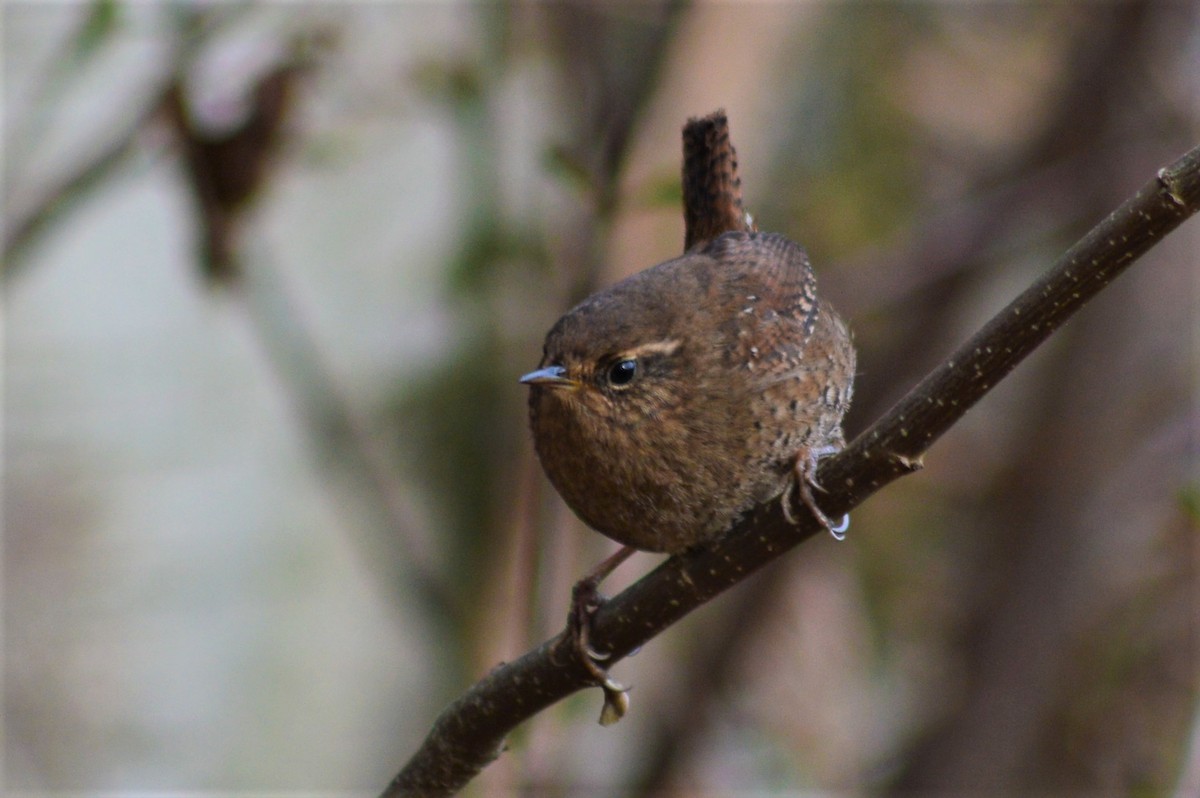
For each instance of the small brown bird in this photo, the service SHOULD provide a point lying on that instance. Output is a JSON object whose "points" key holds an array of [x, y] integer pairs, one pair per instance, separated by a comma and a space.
{"points": [[672, 402], [669, 404]]}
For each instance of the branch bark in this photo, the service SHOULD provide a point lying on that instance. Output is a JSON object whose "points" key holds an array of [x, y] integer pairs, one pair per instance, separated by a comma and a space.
{"points": [[470, 732]]}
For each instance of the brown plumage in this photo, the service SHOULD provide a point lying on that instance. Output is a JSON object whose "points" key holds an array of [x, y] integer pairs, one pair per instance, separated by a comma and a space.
{"points": [[672, 402], [677, 399]]}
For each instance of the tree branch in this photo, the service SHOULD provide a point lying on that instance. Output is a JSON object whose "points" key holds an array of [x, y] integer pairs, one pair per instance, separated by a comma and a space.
{"points": [[470, 732], [88, 176]]}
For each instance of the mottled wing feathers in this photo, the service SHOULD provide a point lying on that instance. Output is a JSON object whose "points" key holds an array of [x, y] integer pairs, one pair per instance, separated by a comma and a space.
{"points": [[776, 294]]}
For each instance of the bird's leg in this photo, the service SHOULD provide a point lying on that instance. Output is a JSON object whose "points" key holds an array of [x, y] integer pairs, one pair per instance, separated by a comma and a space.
{"points": [[586, 598], [804, 471]]}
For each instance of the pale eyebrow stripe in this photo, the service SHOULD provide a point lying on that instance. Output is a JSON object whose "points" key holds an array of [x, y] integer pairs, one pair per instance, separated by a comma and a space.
{"points": [[665, 347]]}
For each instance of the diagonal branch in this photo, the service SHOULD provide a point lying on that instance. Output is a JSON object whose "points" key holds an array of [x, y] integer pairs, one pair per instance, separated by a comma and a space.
{"points": [[92, 173], [470, 732]]}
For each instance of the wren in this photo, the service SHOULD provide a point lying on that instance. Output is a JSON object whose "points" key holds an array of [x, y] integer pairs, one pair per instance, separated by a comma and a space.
{"points": [[670, 403], [674, 401]]}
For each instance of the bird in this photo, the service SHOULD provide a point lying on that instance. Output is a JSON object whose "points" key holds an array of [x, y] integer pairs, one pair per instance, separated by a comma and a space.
{"points": [[669, 404]]}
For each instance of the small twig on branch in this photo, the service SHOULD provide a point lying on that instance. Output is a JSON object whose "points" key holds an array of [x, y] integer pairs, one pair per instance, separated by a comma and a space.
{"points": [[470, 732]]}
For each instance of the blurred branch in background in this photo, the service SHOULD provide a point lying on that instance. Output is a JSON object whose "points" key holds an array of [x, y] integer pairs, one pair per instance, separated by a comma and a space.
{"points": [[228, 161], [227, 169], [616, 61], [25, 225], [27, 219]]}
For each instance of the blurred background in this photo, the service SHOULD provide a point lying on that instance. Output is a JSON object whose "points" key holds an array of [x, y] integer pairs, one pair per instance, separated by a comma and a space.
{"points": [[270, 274]]}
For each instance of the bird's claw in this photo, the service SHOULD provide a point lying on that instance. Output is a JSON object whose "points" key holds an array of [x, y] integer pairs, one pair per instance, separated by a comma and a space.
{"points": [[585, 600], [805, 480]]}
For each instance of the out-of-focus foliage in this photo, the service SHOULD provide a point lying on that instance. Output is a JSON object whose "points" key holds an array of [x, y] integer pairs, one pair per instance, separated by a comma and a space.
{"points": [[257, 533]]}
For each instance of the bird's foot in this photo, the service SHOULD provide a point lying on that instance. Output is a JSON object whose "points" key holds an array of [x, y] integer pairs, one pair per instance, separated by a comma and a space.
{"points": [[804, 481], [585, 600]]}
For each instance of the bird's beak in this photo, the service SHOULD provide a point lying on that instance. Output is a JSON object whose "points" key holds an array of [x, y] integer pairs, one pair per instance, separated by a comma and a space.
{"points": [[553, 376]]}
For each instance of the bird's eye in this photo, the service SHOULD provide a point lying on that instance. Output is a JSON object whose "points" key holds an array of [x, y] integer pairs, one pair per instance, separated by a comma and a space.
{"points": [[622, 372]]}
